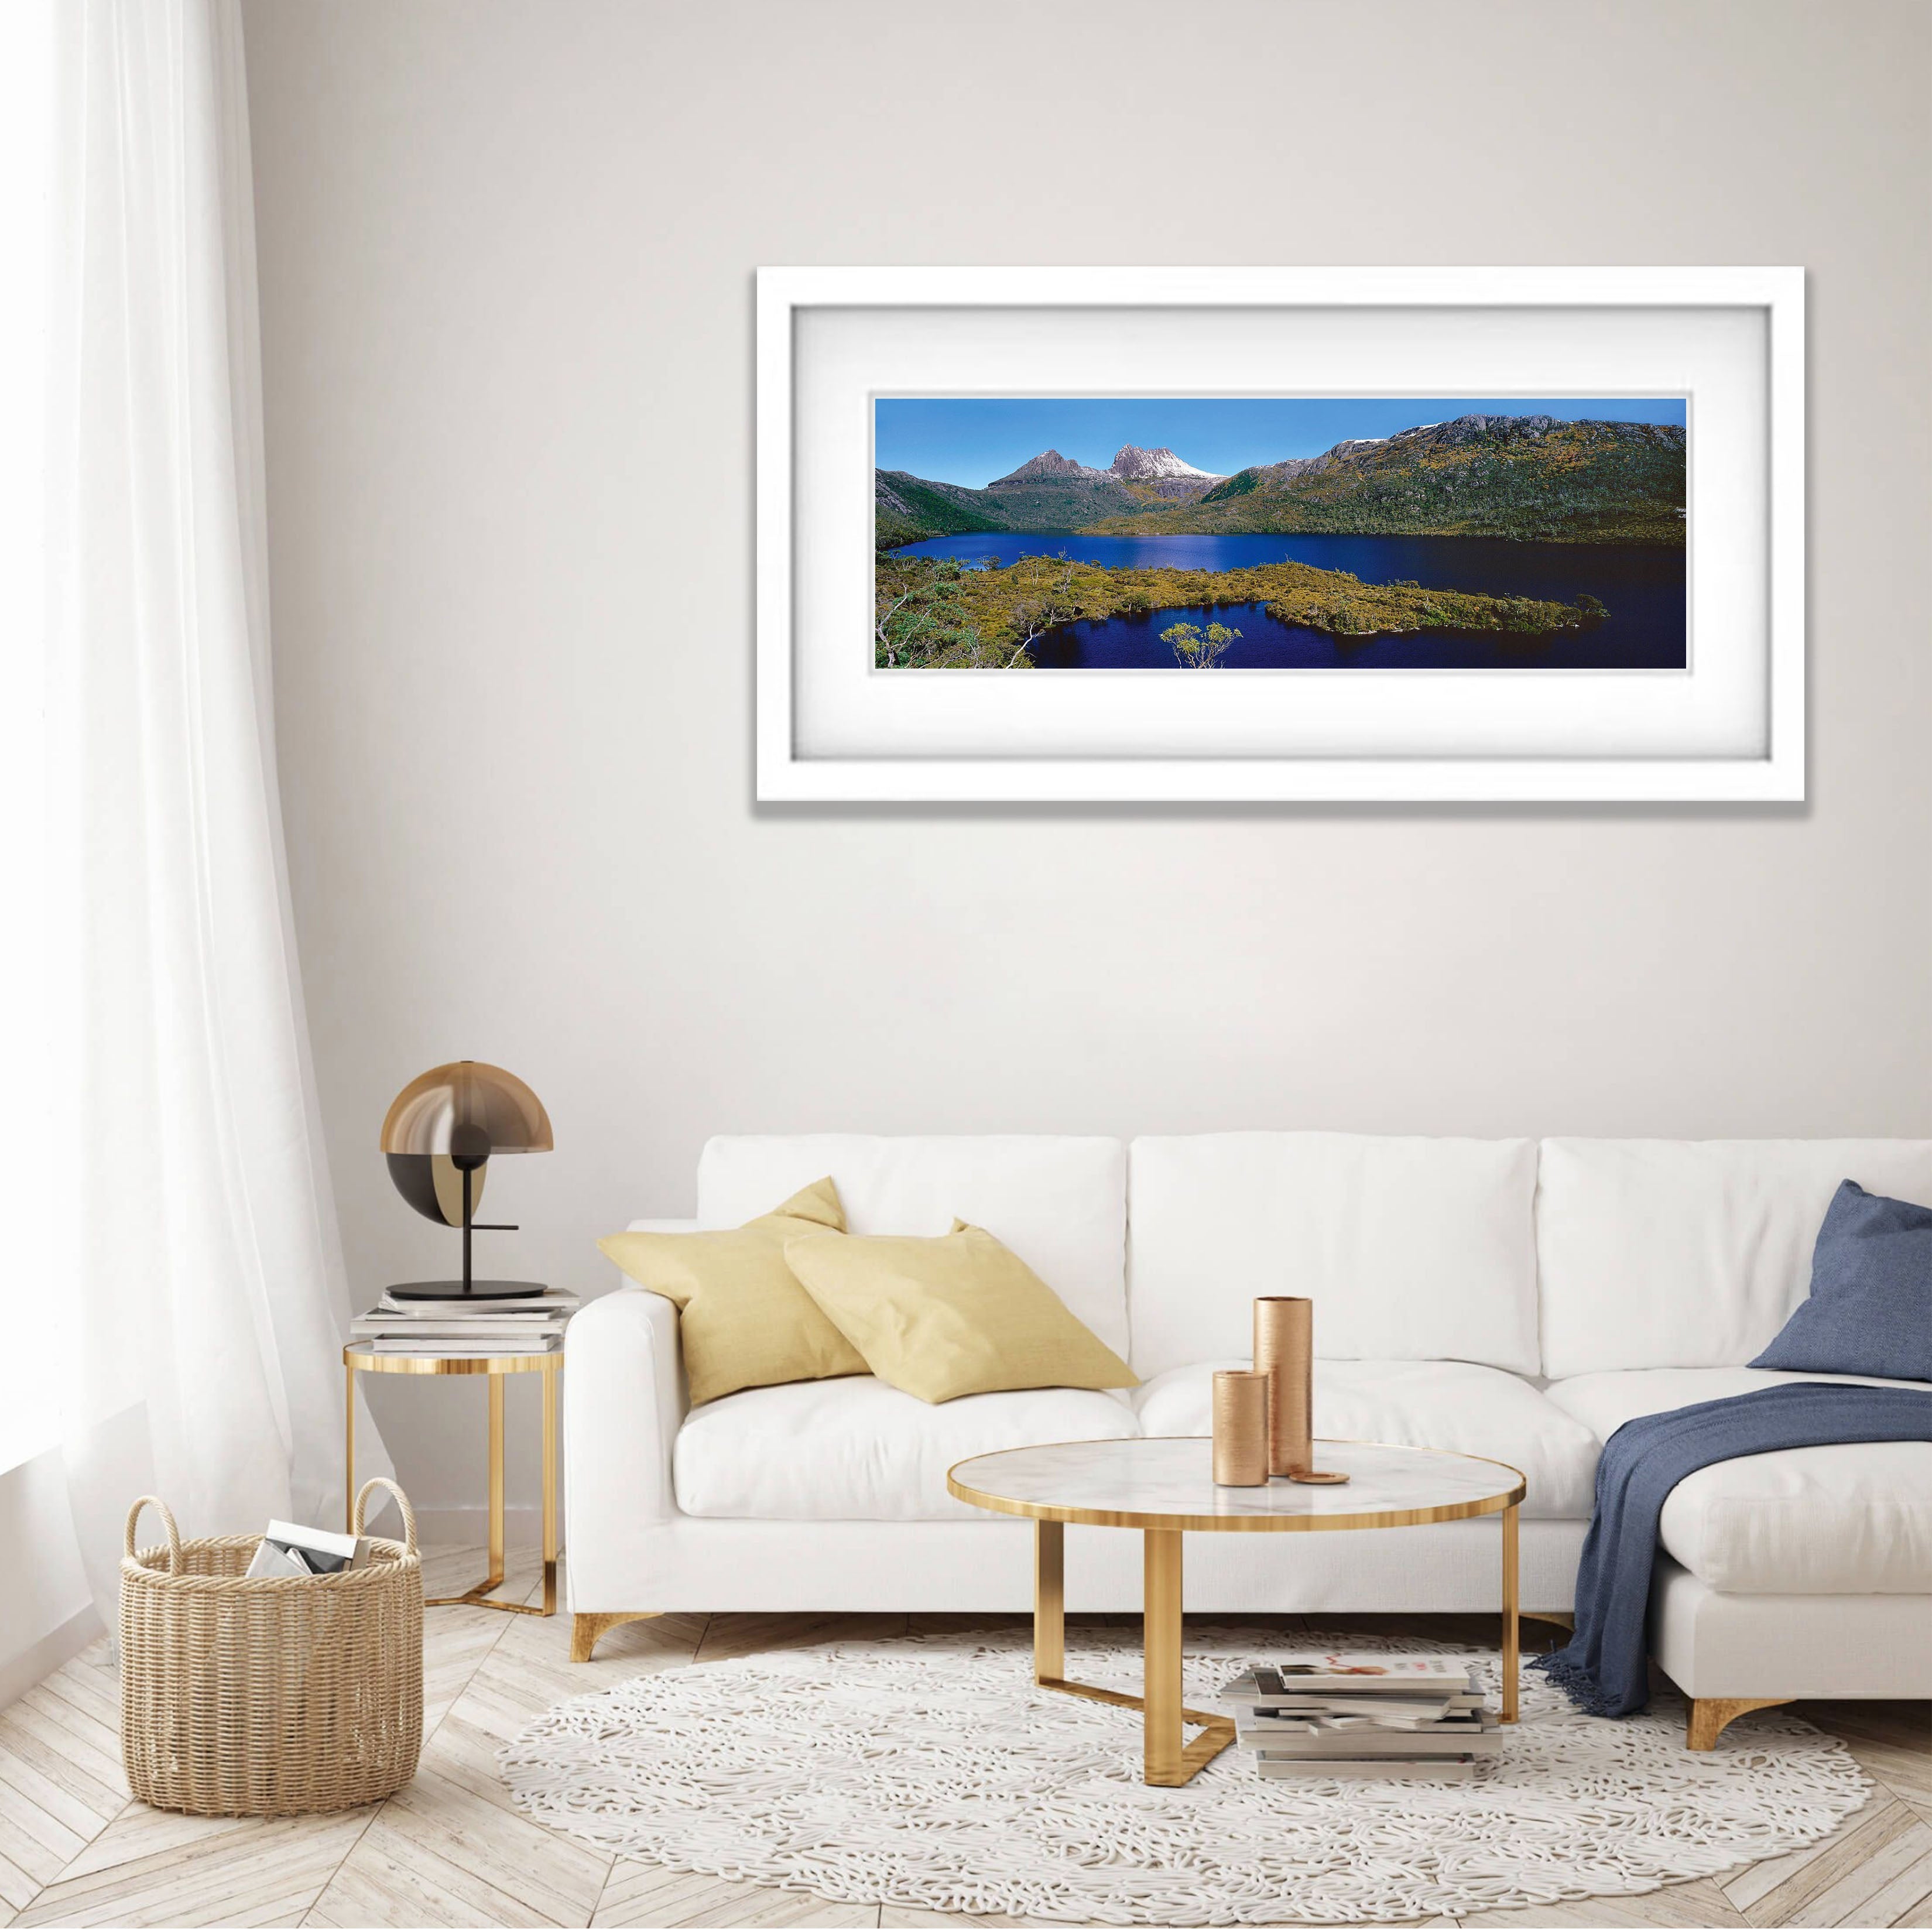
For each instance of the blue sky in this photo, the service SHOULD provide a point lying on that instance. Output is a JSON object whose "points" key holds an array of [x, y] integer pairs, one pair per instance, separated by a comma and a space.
{"points": [[971, 440]]}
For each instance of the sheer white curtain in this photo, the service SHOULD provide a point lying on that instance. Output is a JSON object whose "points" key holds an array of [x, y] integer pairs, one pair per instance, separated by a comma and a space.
{"points": [[28, 1295], [194, 1257]]}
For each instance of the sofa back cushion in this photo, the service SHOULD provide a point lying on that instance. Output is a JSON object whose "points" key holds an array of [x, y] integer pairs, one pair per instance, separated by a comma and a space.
{"points": [[1059, 1202], [1690, 1254], [1412, 1248]]}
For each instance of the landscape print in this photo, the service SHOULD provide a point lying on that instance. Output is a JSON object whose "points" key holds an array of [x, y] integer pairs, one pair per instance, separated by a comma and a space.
{"points": [[1279, 533]]}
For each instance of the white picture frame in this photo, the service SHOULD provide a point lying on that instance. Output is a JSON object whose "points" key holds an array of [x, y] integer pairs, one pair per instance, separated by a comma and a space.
{"points": [[829, 728]]}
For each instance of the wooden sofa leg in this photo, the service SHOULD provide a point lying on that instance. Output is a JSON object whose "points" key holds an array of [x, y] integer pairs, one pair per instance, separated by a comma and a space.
{"points": [[587, 1626], [1709, 1715]]}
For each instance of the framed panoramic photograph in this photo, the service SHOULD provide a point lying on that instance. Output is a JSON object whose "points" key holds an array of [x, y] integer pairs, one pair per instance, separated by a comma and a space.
{"points": [[1294, 534]]}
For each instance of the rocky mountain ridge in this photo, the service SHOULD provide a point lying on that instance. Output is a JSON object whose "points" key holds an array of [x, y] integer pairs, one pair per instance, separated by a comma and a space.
{"points": [[1425, 439], [1049, 465]]}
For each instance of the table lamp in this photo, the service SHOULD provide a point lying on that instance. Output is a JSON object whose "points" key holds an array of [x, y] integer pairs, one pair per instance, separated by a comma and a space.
{"points": [[439, 1133]]}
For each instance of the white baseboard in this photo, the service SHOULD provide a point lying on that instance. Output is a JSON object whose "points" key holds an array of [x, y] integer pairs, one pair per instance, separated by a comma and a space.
{"points": [[20, 1674]]}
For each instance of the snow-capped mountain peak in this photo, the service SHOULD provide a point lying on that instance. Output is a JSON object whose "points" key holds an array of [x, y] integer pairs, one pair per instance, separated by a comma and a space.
{"points": [[1135, 465]]}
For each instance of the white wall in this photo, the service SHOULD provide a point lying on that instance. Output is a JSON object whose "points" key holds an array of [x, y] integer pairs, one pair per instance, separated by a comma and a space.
{"points": [[506, 254], [46, 1612]]}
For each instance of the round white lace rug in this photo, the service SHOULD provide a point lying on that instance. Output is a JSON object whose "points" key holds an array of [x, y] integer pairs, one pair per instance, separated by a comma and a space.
{"points": [[931, 1771]]}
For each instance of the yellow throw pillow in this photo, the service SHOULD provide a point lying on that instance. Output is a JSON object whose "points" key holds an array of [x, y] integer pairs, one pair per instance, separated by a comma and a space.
{"points": [[743, 1320], [951, 1315]]}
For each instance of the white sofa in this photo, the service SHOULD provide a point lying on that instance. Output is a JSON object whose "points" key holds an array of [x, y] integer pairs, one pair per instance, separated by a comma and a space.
{"points": [[1512, 1298]]}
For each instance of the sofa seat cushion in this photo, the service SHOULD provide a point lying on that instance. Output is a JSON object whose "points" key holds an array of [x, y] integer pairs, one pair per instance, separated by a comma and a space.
{"points": [[855, 1450], [1459, 1405], [1844, 1519]]}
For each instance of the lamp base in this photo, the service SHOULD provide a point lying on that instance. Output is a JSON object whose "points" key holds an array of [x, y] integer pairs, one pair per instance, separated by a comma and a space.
{"points": [[456, 1291]]}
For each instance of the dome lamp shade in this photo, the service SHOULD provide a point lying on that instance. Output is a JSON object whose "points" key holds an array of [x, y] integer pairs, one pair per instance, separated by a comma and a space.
{"points": [[438, 1137]]}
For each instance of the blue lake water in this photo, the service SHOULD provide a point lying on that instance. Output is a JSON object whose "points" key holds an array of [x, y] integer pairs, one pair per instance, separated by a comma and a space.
{"points": [[1643, 585]]}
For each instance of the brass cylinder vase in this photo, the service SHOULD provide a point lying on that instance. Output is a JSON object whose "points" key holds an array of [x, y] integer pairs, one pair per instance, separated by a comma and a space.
{"points": [[1285, 1352], [1240, 1428]]}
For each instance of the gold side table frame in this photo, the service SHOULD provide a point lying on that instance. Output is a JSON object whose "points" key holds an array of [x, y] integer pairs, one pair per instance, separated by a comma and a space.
{"points": [[1168, 1758], [549, 1364]]}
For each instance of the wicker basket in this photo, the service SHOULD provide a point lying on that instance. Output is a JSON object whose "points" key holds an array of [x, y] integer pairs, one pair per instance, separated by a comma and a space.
{"points": [[272, 1695]]}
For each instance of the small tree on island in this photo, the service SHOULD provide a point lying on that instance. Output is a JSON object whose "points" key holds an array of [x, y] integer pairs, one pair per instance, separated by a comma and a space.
{"points": [[1191, 651]]}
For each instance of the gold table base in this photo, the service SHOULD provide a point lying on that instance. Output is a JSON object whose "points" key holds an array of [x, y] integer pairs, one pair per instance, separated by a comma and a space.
{"points": [[549, 1365], [1167, 1758]]}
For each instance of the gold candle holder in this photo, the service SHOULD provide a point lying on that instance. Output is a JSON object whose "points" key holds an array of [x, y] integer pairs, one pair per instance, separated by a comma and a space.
{"points": [[1285, 1352], [1241, 1427]]}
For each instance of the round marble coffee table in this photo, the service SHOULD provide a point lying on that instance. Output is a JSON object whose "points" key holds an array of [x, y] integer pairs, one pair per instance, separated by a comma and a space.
{"points": [[1163, 1487]]}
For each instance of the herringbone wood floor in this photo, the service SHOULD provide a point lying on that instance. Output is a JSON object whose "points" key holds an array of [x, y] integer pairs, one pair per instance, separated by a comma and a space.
{"points": [[76, 1850]]}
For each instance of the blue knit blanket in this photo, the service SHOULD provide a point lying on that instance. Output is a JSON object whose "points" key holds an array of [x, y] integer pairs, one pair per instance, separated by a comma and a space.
{"points": [[1602, 1669]]}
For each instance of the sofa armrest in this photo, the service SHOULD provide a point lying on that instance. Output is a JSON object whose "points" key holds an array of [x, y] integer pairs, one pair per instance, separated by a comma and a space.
{"points": [[624, 1403]]}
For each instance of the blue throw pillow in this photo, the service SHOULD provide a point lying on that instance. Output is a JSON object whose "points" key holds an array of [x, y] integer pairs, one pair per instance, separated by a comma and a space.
{"points": [[1870, 1311]]}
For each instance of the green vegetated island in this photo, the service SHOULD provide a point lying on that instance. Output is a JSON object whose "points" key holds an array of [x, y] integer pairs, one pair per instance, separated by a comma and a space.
{"points": [[937, 613], [1532, 478]]}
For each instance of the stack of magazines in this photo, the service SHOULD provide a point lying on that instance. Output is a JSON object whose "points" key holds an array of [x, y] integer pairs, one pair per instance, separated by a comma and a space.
{"points": [[465, 1326], [294, 1550], [1349, 1716]]}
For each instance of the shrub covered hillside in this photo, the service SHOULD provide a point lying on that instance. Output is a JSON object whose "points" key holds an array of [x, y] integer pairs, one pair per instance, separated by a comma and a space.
{"points": [[933, 613], [905, 510], [1532, 477]]}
